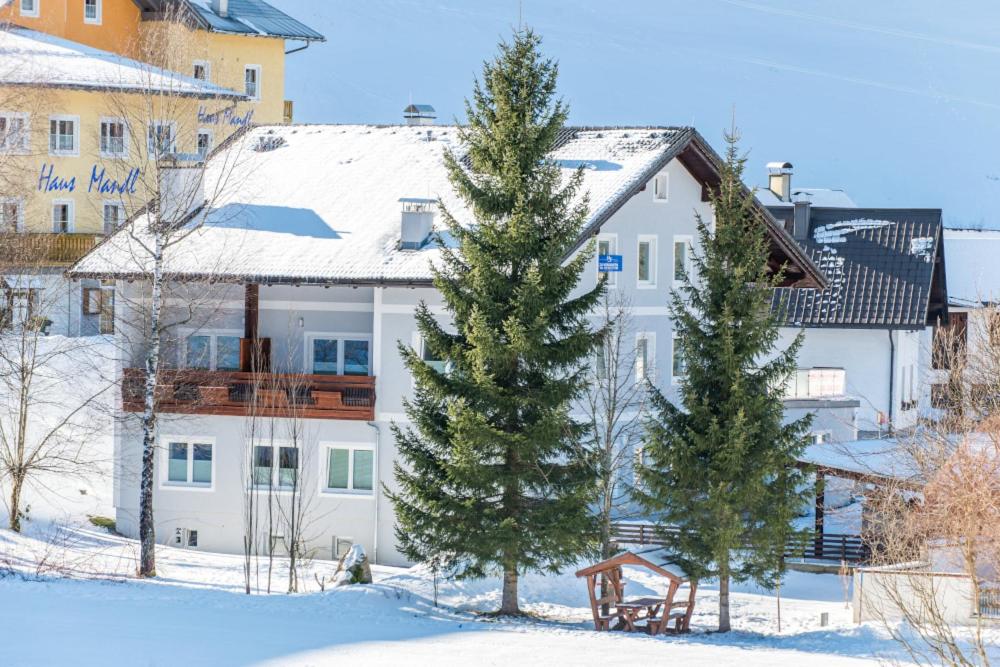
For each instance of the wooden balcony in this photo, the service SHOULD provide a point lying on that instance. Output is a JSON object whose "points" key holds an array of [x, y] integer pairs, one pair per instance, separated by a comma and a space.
{"points": [[239, 394], [34, 250]]}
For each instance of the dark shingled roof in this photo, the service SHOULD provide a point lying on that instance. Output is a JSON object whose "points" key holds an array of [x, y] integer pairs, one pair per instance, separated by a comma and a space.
{"points": [[884, 267]]}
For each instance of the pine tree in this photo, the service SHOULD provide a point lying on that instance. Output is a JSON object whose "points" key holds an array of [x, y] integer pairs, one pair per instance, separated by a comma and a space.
{"points": [[491, 478], [721, 467]]}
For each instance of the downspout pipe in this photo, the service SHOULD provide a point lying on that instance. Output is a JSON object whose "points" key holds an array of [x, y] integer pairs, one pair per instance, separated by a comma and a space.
{"points": [[892, 377], [377, 488], [298, 48]]}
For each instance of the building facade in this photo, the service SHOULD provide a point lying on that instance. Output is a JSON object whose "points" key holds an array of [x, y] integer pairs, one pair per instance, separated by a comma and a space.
{"points": [[82, 128], [332, 261]]}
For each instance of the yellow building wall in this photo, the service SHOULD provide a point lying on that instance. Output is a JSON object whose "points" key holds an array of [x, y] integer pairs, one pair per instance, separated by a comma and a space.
{"points": [[39, 178], [64, 18], [169, 45]]}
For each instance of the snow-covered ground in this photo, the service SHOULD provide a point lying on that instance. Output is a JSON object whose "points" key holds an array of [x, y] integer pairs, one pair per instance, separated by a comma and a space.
{"points": [[69, 594]]}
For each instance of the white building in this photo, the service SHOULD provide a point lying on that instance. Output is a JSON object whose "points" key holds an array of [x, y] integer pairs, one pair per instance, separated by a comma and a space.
{"points": [[865, 356], [321, 247]]}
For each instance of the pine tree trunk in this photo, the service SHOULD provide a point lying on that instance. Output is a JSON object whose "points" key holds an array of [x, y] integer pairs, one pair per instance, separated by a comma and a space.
{"points": [[15, 503], [508, 603], [724, 625], [147, 534]]}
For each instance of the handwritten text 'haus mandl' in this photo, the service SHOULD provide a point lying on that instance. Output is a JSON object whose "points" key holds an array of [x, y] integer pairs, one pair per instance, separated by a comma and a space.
{"points": [[307, 271]]}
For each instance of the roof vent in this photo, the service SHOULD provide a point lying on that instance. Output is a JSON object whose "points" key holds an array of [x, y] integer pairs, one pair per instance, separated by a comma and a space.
{"points": [[417, 222], [779, 180], [419, 114]]}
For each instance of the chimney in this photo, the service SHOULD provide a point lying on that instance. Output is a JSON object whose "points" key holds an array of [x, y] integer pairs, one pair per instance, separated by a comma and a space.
{"points": [[182, 190], [800, 220], [417, 222], [779, 180], [221, 7], [419, 114]]}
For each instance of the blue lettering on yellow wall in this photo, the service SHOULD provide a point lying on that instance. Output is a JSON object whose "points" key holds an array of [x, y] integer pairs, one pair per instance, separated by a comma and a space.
{"points": [[48, 181], [103, 184], [227, 116]]}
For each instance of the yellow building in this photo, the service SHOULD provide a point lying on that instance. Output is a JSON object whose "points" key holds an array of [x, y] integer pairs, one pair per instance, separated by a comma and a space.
{"points": [[236, 44], [94, 93]]}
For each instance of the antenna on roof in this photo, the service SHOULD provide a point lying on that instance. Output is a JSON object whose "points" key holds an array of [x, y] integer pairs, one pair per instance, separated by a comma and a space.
{"points": [[520, 14]]}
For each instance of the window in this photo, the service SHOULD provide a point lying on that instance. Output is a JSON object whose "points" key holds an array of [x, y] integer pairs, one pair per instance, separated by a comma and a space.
{"points": [[112, 137], [661, 183], [646, 262], [114, 216], [14, 135], [816, 383], [184, 537], [601, 362], [682, 259], [29, 7], [678, 364], [940, 396], [11, 215], [204, 143], [251, 78], [283, 475], [189, 462], [645, 345], [950, 341], [62, 216], [161, 139], [608, 245], [338, 354], [820, 437], [19, 305], [342, 545], [433, 360], [216, 351], [63, 135], [350, 469], [202, 70], [107, 322], [92, 11]]}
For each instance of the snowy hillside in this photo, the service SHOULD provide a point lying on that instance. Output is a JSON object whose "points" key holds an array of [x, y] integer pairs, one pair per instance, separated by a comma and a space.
{"points": [[895, 101]]}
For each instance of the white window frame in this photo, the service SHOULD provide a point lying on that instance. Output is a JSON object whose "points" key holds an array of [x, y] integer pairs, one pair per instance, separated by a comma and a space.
{"points": [[24, 145], [211, 141], [71, 220], [276, 445], [612, 241], [60, 118], [204, 64], [825, 434], [341, 338], [417, 345], [99, 5], [19, 201], [213, 345], [258, 94], [325, 447], [190, 441], [107, 120], [688, 242], [121, 215], [651, 239], [34, 13], [674, 350], [150, 135], [649, 363], [661, 188]]}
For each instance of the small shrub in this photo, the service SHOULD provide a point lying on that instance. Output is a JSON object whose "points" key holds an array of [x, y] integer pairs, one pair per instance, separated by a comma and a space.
{"points": [[102, 522]]}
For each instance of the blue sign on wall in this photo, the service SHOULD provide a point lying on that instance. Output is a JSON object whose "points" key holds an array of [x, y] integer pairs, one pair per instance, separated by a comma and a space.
{"points": [[609, 263]]}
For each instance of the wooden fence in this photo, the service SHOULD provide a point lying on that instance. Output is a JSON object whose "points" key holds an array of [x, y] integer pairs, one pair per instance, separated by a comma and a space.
{"points": [[828, 547]]}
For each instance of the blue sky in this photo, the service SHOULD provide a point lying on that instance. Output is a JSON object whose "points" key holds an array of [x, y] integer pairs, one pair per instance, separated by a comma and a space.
{"points": [[895, 101]]}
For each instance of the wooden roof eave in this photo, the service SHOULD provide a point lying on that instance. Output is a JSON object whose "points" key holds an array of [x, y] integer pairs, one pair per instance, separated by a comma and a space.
{"points": [[629, 558]]}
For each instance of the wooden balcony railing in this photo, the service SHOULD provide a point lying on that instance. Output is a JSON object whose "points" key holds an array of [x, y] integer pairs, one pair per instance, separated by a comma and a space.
{"points": [[234, 393], [41, 250]]}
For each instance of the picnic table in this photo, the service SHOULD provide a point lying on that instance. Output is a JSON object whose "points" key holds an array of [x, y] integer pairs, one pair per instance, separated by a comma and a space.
{"points": [[611, 611]]}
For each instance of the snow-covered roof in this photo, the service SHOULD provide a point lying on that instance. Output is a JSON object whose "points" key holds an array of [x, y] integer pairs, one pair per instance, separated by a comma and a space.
{"points": [[37, 58], [322, 204], [972, 268], [824, 197]]}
